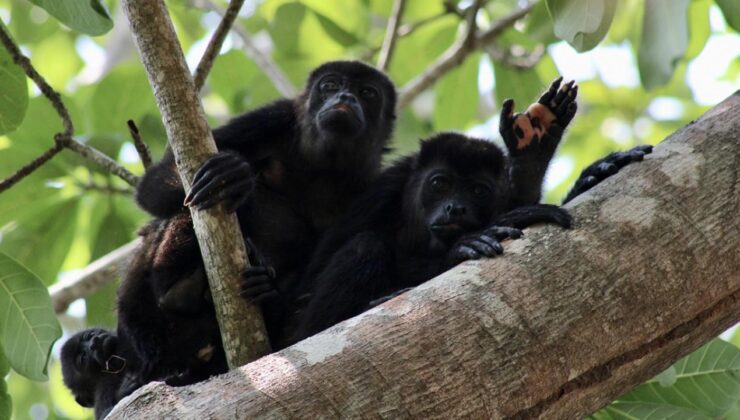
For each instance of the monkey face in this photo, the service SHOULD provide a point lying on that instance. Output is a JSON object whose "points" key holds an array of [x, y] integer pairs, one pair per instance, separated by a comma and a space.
{"points": [[85, 358], [455, 204]]}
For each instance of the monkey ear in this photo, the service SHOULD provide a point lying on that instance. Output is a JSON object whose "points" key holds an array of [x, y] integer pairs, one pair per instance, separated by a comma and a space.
{"points": [[85, 400]]}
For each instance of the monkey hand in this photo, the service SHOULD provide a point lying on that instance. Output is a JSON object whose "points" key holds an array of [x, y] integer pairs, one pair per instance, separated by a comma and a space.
{"points": [[225, 177], [485, 243], [538, 130], [606, 167], [257, 285]]}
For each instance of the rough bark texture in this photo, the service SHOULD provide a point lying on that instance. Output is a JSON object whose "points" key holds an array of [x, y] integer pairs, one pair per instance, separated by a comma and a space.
{"points": [[560, 326], [219, 236]]}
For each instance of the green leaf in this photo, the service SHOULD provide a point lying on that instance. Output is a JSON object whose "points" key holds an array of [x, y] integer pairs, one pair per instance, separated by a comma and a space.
{"points": [[240, 82], [456, 96], [29, 326], [523, 86], [665, 37], [14, 100], [707, 385], [731, 10], [667, 377], [583, 24], [621, 410], [88, 16], [285, 27], [122, 95], [6, 403]]}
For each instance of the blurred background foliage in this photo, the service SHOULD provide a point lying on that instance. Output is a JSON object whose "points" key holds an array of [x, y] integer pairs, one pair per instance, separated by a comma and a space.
{"points": [[72, 211]]}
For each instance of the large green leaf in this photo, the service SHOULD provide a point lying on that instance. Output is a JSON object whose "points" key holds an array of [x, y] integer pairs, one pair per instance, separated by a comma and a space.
{"points": [[731, 10], [240, 82], [456, 99], [582, 24], [14, 100], [122, 95], [29, 326], [665, 37], [88, 16], [706, 385]]}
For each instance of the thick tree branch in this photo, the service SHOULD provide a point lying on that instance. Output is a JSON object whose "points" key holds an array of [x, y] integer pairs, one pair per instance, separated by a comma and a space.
{"points": [[561, 325], [219, 236], [391, 34], [470, 42], [214, 46], [262, 60]]}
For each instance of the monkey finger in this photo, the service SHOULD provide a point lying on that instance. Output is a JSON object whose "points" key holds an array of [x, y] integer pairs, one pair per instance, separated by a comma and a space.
{"points": [[503, 232], [561, 95], [569, 99], [550, 93], [492, 243], [214, 179], [465, 252], [606, 169], [482, 248]]}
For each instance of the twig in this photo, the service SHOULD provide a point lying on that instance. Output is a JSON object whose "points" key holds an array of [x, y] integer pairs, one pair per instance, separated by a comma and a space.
{"points": [[102, 160], [64, 139], [450, 59], [99, 273], [409, 28], [111, 189], [508, 58], [501, 25], [141, 148], [48, 91], [30, 167], [391, 35], [264, 62], [214, 46]]}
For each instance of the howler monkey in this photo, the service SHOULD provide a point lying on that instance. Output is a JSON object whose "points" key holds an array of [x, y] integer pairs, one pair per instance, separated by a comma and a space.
{"points": [[425, 214], [289, 169], [100, 368]]}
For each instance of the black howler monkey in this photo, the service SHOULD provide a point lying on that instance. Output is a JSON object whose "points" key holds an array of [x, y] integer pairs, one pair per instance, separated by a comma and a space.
{"points": [[425, 214], [100, 368], [289, 169]]}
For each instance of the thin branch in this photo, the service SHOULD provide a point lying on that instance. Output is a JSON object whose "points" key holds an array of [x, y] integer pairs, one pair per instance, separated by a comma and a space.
{"points": [[109, 189], [30, 167], [409, 28], [48, 91], [391, 35], [263, 61], [508, 58], [63, 140], [453, 57], [214, 46], [103, 160], [92, 278], [457, 53], [141, 148]]}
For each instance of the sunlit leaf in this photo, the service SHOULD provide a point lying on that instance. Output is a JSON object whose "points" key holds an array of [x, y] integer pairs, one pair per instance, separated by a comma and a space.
{"points": [[29, 326], [414, 53], [349, 17], [87, 16], [239, 81], [582, 24], [731, 10], [14, 98], [665, 37], [699, 28], [624, 410], [456, 96]]}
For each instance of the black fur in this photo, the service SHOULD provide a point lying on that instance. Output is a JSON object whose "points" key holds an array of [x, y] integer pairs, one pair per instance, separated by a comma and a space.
{"points": [[100, 368], [412, 225], [289, 169]]}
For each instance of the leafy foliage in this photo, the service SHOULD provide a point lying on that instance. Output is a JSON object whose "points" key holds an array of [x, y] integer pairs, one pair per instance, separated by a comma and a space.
{"points": [[582, 24], [29, 326], [88, 16], [702, 385], [664, 41]]}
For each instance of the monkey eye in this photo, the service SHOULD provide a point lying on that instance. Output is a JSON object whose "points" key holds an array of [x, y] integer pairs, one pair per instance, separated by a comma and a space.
{"points": [[81, 359], [368, 92], [440, 183], [482, 190], [329, 85]]}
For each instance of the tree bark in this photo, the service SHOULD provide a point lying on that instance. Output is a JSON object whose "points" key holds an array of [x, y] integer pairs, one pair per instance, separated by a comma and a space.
{"points": [[562, 324], [242, 330]]}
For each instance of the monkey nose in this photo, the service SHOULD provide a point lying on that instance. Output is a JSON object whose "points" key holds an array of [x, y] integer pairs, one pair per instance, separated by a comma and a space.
{"points": [[455, 209]]}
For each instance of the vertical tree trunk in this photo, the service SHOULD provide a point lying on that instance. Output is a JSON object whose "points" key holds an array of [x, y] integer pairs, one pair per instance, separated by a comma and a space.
{"points": [[242, 330], [558, 327]]}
